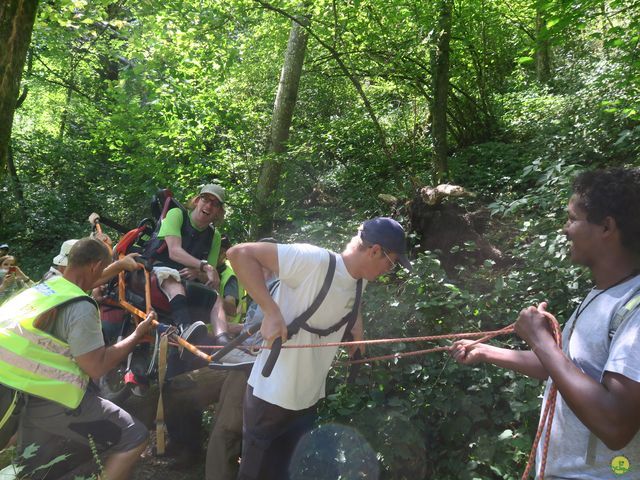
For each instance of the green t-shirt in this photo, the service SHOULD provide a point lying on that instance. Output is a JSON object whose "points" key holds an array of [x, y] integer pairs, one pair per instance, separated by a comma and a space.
{"points": [[171, 226]]}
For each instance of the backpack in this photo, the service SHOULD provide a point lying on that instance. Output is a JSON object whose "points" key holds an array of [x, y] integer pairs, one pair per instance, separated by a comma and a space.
{"points": [[618, 319], [300, 322]]}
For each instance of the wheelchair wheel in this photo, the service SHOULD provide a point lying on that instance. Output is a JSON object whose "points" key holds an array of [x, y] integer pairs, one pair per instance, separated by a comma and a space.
{"points": [[112, 385]]}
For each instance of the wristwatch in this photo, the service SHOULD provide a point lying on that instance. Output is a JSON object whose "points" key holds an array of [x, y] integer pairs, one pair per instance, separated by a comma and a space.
{"points": [[203, 263]]}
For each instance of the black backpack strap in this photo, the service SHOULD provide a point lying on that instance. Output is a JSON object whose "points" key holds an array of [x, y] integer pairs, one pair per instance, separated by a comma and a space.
{"points": [[272, 288], [354, 312], [301, 320], [349, 319]]}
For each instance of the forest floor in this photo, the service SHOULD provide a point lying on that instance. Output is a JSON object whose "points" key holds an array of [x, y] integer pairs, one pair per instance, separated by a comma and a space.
{"points": [[152, 467]]}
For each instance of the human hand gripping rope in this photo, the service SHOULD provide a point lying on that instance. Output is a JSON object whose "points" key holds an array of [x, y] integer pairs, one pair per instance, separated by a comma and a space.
{"points": [[549, 408]]}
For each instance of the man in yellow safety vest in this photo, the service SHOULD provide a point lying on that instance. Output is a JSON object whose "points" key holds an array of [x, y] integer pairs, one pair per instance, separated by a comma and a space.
{"points": [[51, 345]]}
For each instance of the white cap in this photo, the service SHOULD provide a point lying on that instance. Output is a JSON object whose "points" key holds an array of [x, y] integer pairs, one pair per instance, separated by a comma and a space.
{"points": [[62, 259]]}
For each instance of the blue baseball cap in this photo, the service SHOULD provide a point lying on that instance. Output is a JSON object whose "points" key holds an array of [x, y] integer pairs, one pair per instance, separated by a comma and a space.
{"points": [[389, 234]]}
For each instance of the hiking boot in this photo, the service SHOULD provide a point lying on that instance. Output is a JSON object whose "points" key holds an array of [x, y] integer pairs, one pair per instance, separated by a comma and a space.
{"points": [[235, 359], [193, 331]]}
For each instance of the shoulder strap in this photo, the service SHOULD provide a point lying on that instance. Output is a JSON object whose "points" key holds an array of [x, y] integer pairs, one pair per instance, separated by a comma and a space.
{"points": [[349, 319], [300, 320], [618, 319], [354, 312], [623, 313]]}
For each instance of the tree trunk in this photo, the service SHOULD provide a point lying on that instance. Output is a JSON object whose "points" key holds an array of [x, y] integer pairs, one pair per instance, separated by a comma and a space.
{"points": [[440, 69], [16, 24], [280, 124], [13, 173], [337, 57], [543, 48]]}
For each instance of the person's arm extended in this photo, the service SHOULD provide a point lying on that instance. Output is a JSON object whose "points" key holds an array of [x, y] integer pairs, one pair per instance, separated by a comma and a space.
{"points": [[179, 254], [521, 361], [247, 260], [609, 409], [127, 263], [98, 362]]}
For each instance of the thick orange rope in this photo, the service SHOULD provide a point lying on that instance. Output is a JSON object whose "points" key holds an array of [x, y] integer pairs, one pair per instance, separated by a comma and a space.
{"points": [[549, 408]]}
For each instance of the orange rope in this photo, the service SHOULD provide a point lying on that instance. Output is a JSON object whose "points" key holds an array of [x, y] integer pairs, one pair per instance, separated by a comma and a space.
{"points": [[547, 413], [484, 337], [549, 408]]}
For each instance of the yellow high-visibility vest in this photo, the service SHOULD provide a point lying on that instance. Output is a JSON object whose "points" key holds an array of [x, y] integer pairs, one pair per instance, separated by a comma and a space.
{"points": [[241, 308], [32, 360]]}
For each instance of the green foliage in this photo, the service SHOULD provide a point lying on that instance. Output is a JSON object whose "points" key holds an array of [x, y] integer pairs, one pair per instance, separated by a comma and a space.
{"points": [[128, 97], [428, 417]]}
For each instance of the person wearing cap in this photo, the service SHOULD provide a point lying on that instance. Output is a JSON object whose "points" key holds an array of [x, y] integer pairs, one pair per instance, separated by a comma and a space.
{"points": [[186, 248], [4, 249], [61, 261], [280, 408]]}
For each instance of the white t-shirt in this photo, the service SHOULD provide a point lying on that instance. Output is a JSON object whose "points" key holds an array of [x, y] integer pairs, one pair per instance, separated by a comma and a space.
{"points": [[589, 349], [298, 378]]}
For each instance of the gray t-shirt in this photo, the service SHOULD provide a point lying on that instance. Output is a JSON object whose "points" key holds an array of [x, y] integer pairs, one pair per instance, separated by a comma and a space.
{"points": [[589, 348], [79, 325]]}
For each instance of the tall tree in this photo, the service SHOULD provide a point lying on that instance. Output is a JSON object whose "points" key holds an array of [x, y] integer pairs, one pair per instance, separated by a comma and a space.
{"points": [[16, 24], [543, 47], [280, 125], [440, 70]]}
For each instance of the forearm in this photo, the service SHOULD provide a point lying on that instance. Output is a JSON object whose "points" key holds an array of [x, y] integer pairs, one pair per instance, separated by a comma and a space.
{"points": [[521, 361], [108, 273], [108, 358], [180, 255], [610, 415]]}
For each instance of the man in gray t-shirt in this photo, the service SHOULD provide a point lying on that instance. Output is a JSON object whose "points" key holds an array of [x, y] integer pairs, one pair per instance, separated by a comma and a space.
{"points": [[594, 434], [96, 423]]}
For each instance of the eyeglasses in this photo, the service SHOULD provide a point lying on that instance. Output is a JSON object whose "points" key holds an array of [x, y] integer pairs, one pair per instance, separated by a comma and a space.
{"points": [[213, 201], [393, 264]]}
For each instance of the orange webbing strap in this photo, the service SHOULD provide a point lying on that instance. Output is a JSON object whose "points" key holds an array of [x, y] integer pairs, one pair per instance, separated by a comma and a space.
{"points": [[547, 413], [161, 427], [122, 302]]}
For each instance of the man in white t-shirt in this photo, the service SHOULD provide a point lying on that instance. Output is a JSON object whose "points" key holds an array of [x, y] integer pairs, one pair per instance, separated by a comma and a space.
{"points": [[278, 409], [595, 427]]}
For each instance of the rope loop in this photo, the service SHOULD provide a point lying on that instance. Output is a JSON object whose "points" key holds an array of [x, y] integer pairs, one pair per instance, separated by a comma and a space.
{"points": [[548, 411]]}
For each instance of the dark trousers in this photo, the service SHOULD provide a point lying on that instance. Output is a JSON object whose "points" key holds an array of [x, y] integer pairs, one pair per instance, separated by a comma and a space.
{"points": [[184, 424], [269, 437]]}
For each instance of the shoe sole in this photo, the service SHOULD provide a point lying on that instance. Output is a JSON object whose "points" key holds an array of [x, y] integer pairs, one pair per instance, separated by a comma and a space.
{"points": [[230, 366]]}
